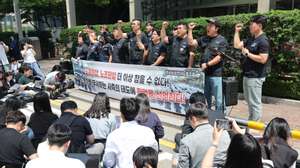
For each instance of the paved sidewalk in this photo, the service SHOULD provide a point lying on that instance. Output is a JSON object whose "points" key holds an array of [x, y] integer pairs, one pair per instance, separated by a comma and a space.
{"points": [[271, 109], [291, 112]]}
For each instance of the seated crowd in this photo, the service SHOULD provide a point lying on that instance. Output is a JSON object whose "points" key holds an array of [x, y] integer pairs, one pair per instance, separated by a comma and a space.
{"points": [[131, 140]]}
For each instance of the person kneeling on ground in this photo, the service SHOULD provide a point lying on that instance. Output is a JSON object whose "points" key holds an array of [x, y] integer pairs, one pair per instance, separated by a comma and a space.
{"points": [[57, 84]]}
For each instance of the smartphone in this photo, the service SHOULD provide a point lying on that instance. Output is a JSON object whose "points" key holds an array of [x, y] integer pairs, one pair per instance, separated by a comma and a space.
{"points": [[224, 124]]}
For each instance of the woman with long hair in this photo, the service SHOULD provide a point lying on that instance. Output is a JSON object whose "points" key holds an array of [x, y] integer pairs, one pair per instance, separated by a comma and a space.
{"points": [[42, 118], [101, 120], [147, 118], [244, 150], [276, 146]]}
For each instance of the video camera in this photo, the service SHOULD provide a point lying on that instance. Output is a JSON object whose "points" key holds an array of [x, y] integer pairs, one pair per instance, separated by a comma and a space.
{"points": [[61, 88]]}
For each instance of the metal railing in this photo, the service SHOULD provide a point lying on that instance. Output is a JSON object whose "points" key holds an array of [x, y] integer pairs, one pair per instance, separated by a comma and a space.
{"points": [[261, 126]]}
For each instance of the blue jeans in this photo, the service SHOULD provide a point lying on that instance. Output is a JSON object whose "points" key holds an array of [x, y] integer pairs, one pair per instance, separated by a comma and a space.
{"points": [[213, 87], [36, 70]]}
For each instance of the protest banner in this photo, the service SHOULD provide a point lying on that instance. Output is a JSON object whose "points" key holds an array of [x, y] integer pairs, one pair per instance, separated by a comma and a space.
{"points": [[167, 88]]}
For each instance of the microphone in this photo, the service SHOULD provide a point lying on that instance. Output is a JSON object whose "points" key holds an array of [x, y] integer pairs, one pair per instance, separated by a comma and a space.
{"points": [[221, 53]]}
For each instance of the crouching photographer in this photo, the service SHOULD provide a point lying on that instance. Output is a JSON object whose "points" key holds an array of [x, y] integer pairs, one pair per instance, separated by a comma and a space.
{"points": [[57, 84]]}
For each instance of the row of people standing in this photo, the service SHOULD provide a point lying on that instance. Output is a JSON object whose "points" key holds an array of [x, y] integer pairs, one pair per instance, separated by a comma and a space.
{"points": [[157, 48], [136, 47]]}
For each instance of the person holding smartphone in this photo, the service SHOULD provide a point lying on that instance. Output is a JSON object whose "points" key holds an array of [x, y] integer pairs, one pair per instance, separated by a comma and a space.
{"points": [[194, 145], [256, 51], [28, 53]]}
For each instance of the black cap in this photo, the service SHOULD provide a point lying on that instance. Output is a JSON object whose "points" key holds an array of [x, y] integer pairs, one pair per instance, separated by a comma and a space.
{"points": [[214, 21], [259, 19]]}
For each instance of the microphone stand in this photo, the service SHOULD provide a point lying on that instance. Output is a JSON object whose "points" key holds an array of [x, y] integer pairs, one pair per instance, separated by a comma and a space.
{"points": [[223, 54]]}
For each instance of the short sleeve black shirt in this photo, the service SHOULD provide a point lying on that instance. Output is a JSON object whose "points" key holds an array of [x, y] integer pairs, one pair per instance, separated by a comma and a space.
{"points": [[81, 51], [210, 46], [106, 51], [180, 52], [120, 51], [80, 129], [94, 52], [259, 45], [155, 50], [135, 54], [14, 146], [40, 122]]}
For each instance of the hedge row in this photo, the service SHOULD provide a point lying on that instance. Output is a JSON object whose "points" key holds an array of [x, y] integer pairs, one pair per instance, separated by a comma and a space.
{"points": [[283, 30]]}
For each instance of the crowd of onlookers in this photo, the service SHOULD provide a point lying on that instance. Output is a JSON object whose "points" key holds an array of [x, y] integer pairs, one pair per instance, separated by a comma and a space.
{"points": [[132, 140]]}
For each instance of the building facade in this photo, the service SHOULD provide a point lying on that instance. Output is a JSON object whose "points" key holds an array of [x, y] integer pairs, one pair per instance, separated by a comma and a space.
{"points": [[178, 9]]}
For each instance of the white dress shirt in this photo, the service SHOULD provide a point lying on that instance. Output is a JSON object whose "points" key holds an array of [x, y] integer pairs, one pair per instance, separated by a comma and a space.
{"points": [[125, 140], [54, 159]]}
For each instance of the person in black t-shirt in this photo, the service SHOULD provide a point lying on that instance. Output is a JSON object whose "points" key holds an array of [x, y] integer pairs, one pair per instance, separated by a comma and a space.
{"points": [[42, 117], [211, 45], [180, 51], [81, 130], [256, 52], [10, 104], [149, 30], [120, 47], [82, 48], [137, 42], [15, 145], [157, 51], [105, 54], [94, 48]]}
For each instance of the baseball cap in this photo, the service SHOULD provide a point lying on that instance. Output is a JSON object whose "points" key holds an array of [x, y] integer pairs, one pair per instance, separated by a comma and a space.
{"points": [[214, 21]]}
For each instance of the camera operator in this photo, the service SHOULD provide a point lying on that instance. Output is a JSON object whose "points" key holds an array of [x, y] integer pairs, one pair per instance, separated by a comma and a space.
{"points": [[57, 84]]}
